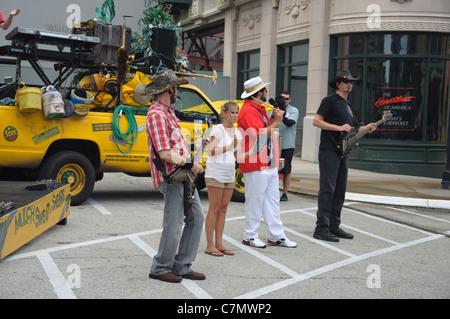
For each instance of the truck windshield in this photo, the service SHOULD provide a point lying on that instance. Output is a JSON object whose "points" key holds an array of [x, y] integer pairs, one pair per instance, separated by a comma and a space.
{"points": [[191, 102]]}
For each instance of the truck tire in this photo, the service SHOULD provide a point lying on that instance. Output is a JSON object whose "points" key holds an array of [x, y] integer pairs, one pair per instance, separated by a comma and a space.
{"points": [[239, 187], [73, 168]]}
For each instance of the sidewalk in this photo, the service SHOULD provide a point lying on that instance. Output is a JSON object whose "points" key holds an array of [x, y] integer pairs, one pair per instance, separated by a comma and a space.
{"points": [[367, 186]]}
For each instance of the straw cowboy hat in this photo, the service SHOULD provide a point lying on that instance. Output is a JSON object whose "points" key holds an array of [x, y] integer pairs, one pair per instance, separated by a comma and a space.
{"points": [[162, 80], [341, 75], [252, 86]]}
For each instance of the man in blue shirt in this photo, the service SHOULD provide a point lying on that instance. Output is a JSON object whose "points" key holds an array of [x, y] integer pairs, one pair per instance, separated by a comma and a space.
{"points": [[288, 131]]}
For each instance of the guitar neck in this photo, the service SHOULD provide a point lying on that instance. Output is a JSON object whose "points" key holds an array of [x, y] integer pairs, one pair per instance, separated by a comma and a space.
{"points": [[198, 155], [361, 133]]}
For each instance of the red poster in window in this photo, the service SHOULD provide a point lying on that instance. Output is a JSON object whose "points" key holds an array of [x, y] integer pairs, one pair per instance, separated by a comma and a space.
{"points": [[401, 103]]}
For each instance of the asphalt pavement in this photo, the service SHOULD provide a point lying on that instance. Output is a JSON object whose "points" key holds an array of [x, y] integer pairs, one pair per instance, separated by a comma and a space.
{"points": [[373, 187], [106, 249]]}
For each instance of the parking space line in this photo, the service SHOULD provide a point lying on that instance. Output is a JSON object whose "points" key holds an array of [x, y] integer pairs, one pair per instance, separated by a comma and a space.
{"points": [[98, 207], [189, 284], [382, 219], [288, 282], [304, 211], [143, 245], [55, 276], [320, 242], [262, 257], [421, 215], [63, 291], [80, 244]]}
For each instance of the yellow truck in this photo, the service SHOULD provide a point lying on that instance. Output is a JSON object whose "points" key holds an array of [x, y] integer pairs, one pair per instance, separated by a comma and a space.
{"points": [[35, 144], [78, 150]]}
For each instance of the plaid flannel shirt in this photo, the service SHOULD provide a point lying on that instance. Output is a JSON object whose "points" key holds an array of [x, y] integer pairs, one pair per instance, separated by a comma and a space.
{"points": [[164, 133]]}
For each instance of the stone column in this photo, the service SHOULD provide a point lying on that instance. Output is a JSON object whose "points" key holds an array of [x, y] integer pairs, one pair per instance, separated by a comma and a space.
{"points": [[268, 53], [319, 46], [230, 59]]}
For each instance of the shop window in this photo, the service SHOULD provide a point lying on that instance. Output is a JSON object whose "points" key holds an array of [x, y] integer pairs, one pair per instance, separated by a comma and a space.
{"points": [[293, 74], [293, 77], [406, 74], [397, 43], [438, 97], [397, 87], [348, 45], [248, 67]]}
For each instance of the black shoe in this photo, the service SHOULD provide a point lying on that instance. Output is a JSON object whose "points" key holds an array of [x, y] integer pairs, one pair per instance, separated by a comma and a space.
{"points": [[342, 234], [325, 235], [283, 198]]}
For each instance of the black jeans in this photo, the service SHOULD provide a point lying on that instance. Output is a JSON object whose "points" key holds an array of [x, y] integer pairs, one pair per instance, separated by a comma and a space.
{"points": [[333, 170]]}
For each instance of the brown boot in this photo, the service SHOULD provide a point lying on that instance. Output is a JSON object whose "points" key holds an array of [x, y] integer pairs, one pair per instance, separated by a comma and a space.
{"points": [[168, 277]]}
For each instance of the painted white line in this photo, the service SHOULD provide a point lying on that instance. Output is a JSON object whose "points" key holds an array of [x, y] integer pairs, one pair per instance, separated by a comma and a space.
{"points": [[252, 251], [320, 242], [56, 278], [143, 245], [369, 234], [189, 284], [195, 289], [388, 221], [283, 284], [98, 207], [82, 244], [402, 201], [421, 215], [303, 211]]}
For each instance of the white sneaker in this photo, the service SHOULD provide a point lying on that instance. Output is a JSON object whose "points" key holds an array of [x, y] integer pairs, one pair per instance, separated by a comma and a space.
{"points": [[283, 242], [254, 242]]}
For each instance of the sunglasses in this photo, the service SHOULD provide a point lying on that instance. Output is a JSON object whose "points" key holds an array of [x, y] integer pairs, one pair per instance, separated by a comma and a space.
{"points": [[347, 81]]}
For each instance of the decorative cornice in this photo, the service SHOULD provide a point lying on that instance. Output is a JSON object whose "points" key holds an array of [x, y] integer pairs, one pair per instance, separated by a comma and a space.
{"points": [[224, 4], [391, 26]]}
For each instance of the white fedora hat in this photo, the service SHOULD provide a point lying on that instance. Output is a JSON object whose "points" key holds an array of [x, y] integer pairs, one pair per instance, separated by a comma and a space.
{"points": [[252, 86]]}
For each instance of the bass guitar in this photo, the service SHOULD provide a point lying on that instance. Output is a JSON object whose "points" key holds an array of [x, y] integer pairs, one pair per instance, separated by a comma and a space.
{"points": [[349, 140]]}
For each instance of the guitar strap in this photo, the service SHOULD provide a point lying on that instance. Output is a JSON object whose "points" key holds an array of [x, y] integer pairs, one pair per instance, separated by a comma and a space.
{"points": [[355, 112], [159, 165]]}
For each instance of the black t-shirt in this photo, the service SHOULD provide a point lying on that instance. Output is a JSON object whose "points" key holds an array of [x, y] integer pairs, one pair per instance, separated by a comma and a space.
{"points": [[335, 110]]}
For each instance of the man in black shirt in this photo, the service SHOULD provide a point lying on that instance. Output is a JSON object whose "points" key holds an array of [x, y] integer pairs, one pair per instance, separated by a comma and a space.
{"points": [[333, 117]]}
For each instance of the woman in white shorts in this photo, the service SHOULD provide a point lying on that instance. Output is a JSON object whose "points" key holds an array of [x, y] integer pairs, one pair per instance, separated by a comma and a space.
{"points": [[223, 149]]}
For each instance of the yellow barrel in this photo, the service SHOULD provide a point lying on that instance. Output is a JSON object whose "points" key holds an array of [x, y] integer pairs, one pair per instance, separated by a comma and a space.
{"points": [[29, 99]]}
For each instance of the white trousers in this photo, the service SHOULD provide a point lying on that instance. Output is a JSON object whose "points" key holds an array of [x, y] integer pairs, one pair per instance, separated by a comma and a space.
{"points": [[262, 197]]}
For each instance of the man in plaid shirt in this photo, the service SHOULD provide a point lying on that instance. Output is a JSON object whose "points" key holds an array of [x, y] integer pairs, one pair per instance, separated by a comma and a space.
{"points": [[178, 246]]}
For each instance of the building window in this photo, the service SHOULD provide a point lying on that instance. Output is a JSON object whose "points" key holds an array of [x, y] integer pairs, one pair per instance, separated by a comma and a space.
{"points": [[404, 74], [248, 67], [293, 77]]}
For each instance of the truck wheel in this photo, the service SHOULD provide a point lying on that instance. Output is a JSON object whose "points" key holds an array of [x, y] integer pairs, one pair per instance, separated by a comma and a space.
{"points": [[73, 168], [239, 187]]}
